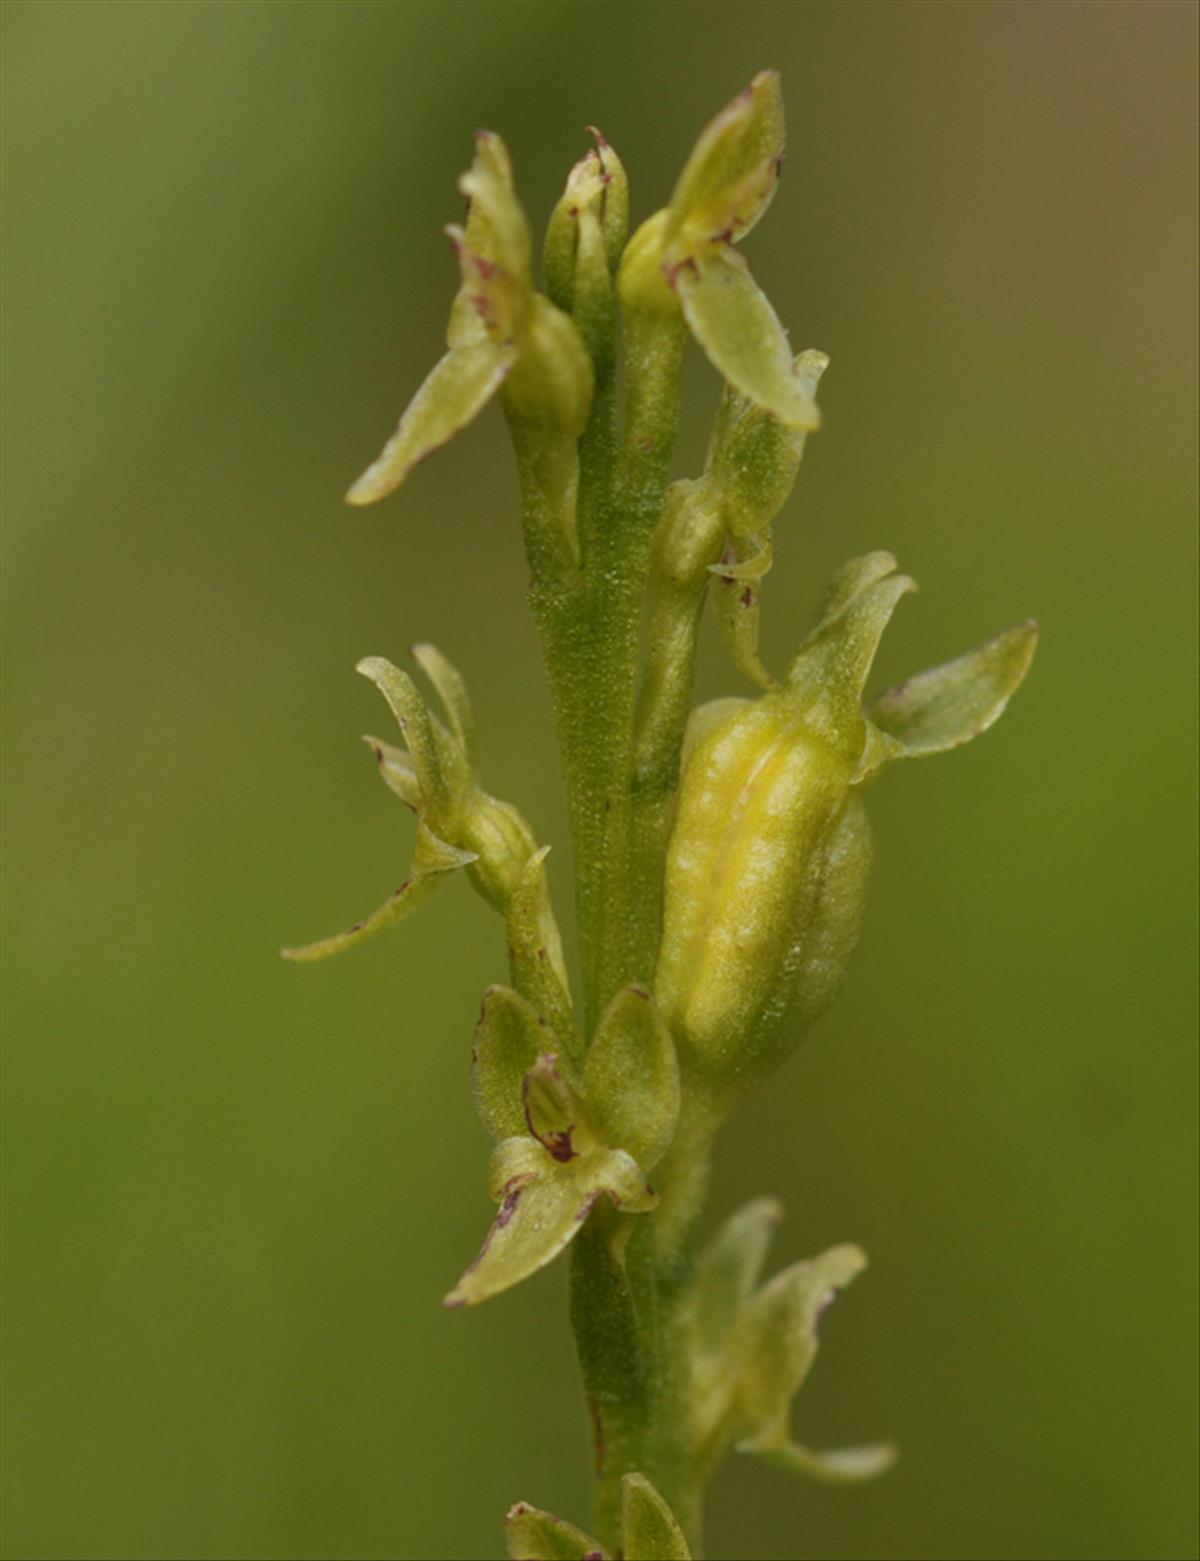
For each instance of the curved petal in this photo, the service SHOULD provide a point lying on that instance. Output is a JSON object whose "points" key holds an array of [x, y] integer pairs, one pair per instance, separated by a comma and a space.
{"points": [[949, 705], [452, 394], [432, 858], [732, 319], [834, 1466]]}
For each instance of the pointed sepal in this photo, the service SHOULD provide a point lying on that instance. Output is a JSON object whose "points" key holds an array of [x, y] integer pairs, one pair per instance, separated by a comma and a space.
{"points": [[533, 1535], [826, 680], [452, 691], [456, 390], [509, 1038], [650, 1530], [949, 705], [497, 229], [732, 319]]}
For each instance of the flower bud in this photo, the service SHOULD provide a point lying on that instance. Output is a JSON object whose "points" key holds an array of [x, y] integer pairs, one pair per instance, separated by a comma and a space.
{"points": [[762, 803], [584, 240], [768, 864]]}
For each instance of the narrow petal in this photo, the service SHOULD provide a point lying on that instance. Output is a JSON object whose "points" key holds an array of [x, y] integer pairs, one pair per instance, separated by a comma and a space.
{"points": [[732, 319], [452, 394], [730, 1267], [833, 1466], [432, 858], [439, 769], [451, 690], [396, 770]]}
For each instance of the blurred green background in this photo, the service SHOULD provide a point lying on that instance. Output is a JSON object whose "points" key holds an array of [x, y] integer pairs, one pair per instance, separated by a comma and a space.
{"points": [[236, 1190]]}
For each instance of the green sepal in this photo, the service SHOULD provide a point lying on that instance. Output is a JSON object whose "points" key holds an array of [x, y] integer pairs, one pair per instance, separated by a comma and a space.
{"points": [[846, 583], [826, 680], [553, 1112], [497, 230], [650, 1530], [543, 1205], [949, 705], [774, 1343], [732, 319], [533, 1535], [631, 1078], [431, 858], [730, 177], [509, 1039], [454, 392], [730, 1267], [491, 304], [830, 1466]]}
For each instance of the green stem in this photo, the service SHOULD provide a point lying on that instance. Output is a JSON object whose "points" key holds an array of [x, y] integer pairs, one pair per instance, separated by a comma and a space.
{"points": [[632, 1279], [590, 621], [632, 1299]]}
